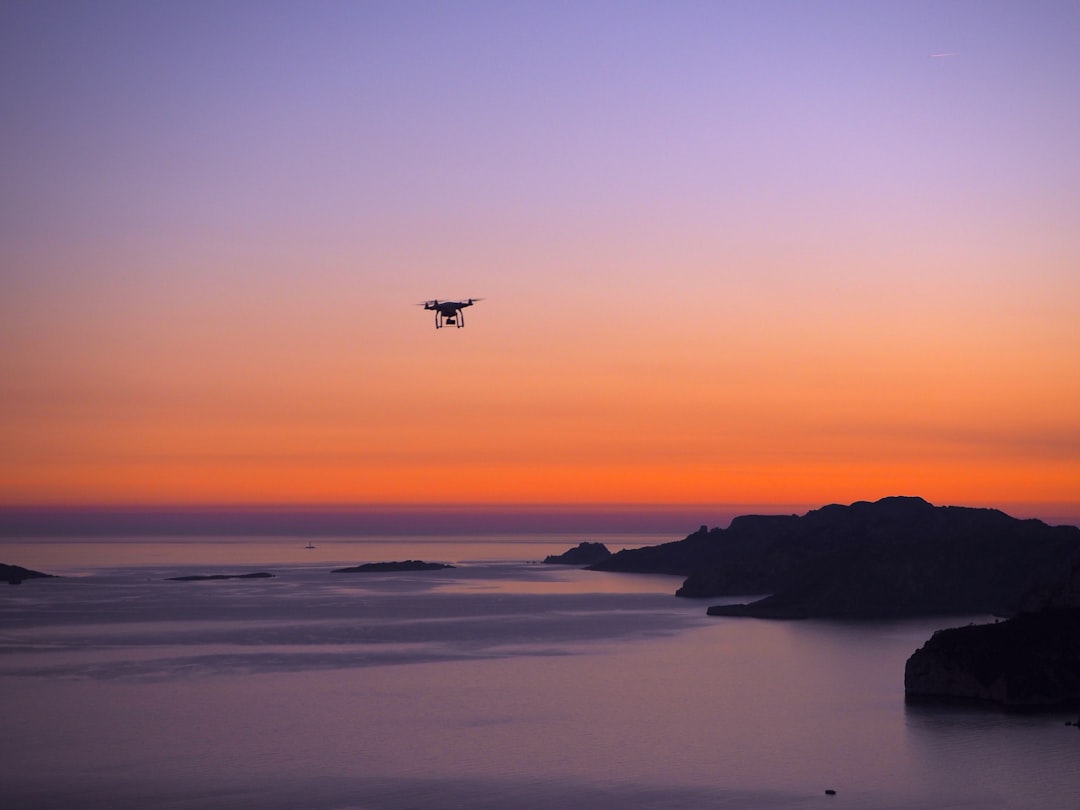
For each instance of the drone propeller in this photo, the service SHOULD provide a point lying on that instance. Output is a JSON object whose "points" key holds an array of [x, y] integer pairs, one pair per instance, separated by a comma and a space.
{"points": [[434, 302]]}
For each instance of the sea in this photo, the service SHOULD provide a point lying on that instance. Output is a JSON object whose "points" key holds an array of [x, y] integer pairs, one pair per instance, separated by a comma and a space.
{"points": [[501, 682]]}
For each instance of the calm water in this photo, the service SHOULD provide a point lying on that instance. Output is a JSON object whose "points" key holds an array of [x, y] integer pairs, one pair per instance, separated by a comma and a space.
{"points": [[498, 684]]}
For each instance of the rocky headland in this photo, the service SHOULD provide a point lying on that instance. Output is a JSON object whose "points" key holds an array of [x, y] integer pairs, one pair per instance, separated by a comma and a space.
{"points": [[404, 565], [15, 574], [895, 557], [902, 557], [1030, 661], [582, 554]]}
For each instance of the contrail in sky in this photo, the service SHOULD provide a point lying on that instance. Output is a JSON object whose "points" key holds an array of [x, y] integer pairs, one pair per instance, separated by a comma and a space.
{"points": [[942, 55]]}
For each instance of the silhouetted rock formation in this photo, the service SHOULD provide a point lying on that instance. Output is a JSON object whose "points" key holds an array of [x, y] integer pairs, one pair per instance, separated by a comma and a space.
{"points": [[15, 574], [205, 577], [1029, 661], [581, 554], [895, 557], [406, 565]]}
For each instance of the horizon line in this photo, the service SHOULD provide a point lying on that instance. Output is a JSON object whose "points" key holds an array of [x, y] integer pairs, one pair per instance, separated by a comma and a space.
{"points": [[461, 506], [363, 519], [367, 519]]}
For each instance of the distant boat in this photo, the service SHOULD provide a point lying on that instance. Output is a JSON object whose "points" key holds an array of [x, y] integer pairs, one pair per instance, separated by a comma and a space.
{"points": [[309, 545]]}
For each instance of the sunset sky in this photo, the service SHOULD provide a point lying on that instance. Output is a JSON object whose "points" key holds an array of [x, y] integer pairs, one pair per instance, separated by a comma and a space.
{"points": [[763, 253]]}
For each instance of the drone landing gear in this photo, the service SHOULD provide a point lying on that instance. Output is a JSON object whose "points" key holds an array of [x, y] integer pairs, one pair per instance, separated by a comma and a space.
{"points": [[448, 313]]}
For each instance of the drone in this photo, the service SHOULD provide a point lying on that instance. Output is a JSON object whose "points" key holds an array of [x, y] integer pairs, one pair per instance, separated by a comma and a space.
{"points": [[449, 312]]}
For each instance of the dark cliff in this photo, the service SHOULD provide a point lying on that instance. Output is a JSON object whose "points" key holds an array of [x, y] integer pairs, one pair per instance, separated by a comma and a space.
{"points": [[1029, 661]]}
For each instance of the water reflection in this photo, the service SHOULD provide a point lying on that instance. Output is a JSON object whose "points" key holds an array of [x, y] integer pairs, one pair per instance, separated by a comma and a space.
{"points": [[1010, 757], [486, 685]]}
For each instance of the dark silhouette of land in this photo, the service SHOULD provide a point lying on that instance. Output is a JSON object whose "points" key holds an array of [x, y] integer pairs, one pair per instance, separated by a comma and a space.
{"points": [[905, 557], [892, 558], [15, 574], [1030, 661], [206, 577], [582, 554], [405, 565]]}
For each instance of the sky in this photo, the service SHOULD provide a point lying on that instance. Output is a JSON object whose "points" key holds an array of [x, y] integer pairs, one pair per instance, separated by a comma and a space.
{"points": [[763, 253]]}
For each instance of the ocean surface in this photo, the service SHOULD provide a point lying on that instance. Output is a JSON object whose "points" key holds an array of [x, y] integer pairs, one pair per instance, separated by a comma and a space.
{"points": [[500, 683]]}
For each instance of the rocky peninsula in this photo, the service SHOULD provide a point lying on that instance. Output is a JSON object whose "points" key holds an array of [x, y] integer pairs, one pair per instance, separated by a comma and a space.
{"points": [[15, 574], [900, 557], [891, 558]]}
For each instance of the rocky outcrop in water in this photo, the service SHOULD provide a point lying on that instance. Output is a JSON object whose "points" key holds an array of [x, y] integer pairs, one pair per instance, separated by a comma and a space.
{"points": [[582, 554], [209, 577], [890, 558], [15, 574], [405, 565]]}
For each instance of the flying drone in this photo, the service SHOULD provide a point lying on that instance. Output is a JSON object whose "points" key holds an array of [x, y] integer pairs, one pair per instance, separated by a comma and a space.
{"points": [[449, 312]]}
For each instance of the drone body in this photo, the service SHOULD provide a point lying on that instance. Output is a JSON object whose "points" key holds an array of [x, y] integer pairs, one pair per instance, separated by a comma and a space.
{"points": [[449, 312]]}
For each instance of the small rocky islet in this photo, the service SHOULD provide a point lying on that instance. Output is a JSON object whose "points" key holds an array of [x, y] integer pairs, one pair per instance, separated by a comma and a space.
{"points": [[586, 553], [215, 577], [381, 567], [373, 567]]}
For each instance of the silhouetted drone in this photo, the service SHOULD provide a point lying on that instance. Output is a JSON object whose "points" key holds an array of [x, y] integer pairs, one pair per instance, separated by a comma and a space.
{"points": [[449, 312]]}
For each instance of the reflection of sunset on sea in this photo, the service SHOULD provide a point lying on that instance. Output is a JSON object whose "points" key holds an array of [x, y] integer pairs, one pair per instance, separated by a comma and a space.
{"points": [[732, 253]]}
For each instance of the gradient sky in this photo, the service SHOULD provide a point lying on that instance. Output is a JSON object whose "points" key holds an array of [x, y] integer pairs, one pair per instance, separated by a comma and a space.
{"points": [[732, 252]]}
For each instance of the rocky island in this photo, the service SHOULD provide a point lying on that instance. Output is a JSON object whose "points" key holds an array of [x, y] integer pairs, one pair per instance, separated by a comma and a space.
{"points": [[404, 565], [210, 577], [582, 554], [15, 574]]}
